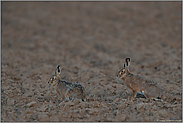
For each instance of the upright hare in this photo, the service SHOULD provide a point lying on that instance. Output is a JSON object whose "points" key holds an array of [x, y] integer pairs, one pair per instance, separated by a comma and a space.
{"points": [[136, 83], [65, 88]]}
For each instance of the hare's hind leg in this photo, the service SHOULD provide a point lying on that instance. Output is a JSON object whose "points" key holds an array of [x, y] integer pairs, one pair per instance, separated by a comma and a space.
{"points": [[82, 94], [144, 93]]}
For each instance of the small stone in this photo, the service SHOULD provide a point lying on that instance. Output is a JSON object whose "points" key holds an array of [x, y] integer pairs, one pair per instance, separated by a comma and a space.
{"points": [[68, 105], [29, 95], [96, 105], [92, 111], [42, 108], [42, 94], [121, 118], [139, 106], [42, 117], [62, 103], [2, 78], [82, 112], [54, 118], [76, 101], [31, 104], [154, 108], [116, 113], [103, 104], [163, 113], [19, 90], [5, 87], [83, 104], [10, 80], [10, 102], [122, 106], [29, 112], [25, 85]]}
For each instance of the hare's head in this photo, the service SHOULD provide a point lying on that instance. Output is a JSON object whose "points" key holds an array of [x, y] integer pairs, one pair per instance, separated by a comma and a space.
{"points": [[122, 72], [54, 78], [125, 70]]}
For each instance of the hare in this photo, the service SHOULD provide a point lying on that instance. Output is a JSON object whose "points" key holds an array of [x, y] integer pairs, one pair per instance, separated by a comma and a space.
{"points": [[65, 88], [136, 83]]}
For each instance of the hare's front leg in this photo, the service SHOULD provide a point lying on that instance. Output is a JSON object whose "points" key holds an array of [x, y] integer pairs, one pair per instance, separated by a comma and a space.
{"points": [[63, 96], [60, 93], [66, 93], [134, 94]]}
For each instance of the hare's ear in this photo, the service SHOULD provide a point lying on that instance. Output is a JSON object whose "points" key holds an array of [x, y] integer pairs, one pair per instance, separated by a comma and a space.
{"points": [[58, 71], [124, 65], [127, 64]]}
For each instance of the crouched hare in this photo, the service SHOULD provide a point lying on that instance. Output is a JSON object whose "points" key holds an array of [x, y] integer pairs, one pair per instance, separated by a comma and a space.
{"points": [[66, 89], [136, 83]]}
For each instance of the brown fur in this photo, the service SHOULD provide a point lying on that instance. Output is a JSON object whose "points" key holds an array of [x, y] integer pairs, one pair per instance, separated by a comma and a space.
{"points": [[137, 83], [65, 88]]}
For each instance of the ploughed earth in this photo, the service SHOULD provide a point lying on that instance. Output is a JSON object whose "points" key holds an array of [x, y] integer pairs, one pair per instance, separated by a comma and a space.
{"points": [[90, 41]]}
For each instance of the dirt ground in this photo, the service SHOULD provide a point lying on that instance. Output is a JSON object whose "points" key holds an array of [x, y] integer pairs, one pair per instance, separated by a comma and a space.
{"points": [[90, 41]]}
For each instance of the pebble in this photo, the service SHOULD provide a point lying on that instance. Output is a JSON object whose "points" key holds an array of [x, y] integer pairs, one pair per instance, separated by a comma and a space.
{"points": [[68, 105], [92, 111], [62, 103], [140, 106], [10, 80], [121, 118], [31, 104], [28, 95], [54, 118], [42, 117], [42, 94], [82, 112], [163, 113], [10, 102], [29, 112], [25, 85], [96, 104], [76, 101], [5, 87], [42, 108], [122, 106], [103, 104]]}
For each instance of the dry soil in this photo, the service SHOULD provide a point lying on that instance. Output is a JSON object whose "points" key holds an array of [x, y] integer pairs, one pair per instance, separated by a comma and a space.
{"points": [[90, 41]]}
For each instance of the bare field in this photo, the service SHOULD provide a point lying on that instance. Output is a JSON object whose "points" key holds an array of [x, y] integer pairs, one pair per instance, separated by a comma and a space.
{"points": [[90, 41]]}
